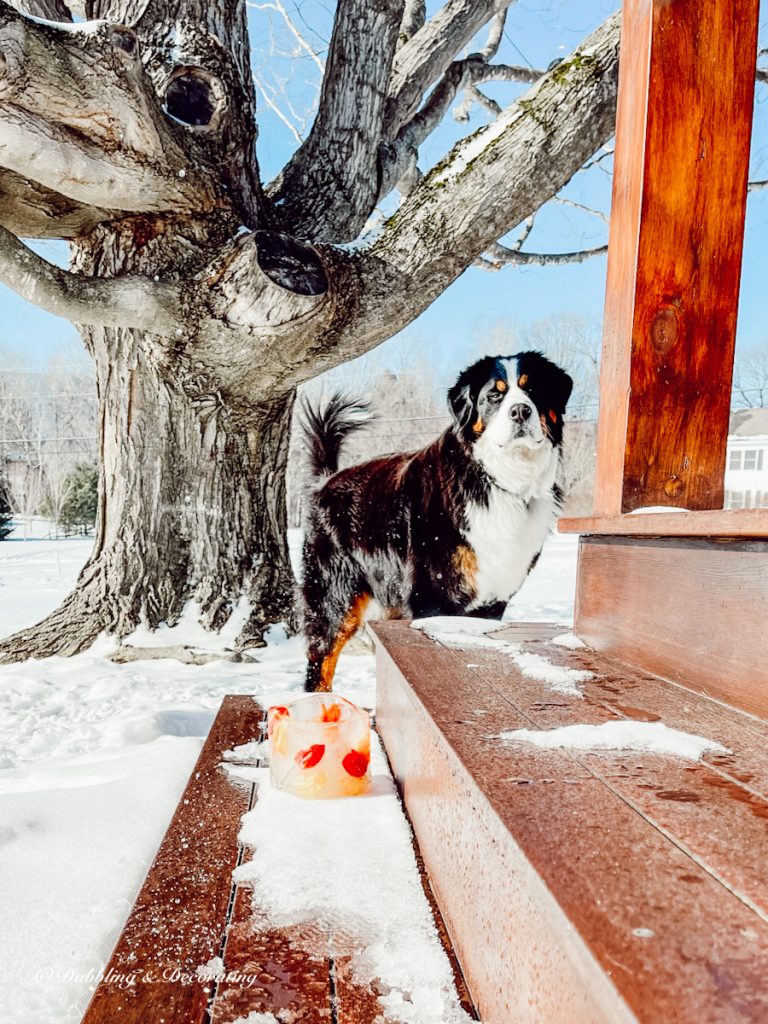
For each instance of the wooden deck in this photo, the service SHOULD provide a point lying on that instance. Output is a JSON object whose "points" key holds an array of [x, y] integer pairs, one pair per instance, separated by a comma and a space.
{"points": [[189, 911], [582, 887]]}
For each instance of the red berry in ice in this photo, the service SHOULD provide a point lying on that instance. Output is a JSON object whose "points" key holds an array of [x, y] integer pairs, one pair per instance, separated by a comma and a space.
{"points": [[332, 713], [276, 712], [311, 756], [355, 763]]}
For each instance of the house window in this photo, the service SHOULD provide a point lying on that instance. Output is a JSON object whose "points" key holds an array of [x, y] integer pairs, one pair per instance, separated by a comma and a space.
{"points": [[734, 462], [737, 499], [753, 458]]}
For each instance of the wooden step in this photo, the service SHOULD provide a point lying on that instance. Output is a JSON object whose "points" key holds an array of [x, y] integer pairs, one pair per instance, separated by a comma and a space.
{"points": [[578, 886], [189, 912]]}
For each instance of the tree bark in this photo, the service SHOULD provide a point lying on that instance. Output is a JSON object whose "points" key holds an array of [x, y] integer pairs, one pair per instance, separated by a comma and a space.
{"points": [[192, 486]]}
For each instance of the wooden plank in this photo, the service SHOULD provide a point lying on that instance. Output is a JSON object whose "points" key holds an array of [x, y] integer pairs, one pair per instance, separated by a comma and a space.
{"points": [[748, 522], [693, 611], [178, 920], [685, 100], [707, 809], [279, 974], [598, 901]]}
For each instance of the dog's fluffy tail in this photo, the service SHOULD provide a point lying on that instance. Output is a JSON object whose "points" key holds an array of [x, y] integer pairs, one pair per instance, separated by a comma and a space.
{"points": [[327, 427]]}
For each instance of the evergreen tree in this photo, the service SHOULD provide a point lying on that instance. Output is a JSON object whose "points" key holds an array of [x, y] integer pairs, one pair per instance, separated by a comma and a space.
{"points": [[78, 510], [6, 517]]}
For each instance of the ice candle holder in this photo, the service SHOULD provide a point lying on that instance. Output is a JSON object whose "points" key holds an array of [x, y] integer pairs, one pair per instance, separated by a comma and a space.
{"points": [[319, 747]]}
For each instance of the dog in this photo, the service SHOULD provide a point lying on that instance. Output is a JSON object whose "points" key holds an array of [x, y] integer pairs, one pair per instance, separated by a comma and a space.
{"points": [[453, 529]]}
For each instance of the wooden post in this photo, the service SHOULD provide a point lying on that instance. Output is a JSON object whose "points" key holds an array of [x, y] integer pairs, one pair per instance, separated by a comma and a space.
{"points": [[684, 121]]}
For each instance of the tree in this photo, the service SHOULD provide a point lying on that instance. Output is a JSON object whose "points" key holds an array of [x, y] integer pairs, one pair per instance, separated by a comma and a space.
{"points": [[78, 509], [6, 516], [750, 378], [205, 298]]}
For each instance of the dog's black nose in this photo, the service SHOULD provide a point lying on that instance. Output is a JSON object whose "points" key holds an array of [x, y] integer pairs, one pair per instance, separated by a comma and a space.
{"points": [[520, 412]]}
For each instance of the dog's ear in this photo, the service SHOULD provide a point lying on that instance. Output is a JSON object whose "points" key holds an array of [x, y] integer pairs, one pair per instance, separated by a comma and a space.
{"points": [[463, 396], [551, 382], [461, 406], [562, 386]]}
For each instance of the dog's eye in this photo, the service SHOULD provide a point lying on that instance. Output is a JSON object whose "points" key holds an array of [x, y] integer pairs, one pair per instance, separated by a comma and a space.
{"points": [[495, 396]]}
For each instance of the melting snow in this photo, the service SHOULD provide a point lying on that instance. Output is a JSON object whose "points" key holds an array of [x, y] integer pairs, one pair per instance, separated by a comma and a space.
{"points": [[570, 641], [465, 631], [342, 875], [652, 737]]}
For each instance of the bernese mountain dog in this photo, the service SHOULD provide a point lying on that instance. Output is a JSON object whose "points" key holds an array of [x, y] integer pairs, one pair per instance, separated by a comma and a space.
{"points": [[453, 529]]}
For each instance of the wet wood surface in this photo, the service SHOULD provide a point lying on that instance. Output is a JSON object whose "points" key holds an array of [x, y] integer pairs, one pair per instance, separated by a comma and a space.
{"points": [[693, 611], [189, 912], [635, 883], [179, 917], [747, 522], [684, 120]]}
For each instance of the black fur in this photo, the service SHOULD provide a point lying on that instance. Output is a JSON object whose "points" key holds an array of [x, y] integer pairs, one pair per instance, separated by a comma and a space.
{"points": [[393, 529], [326, 429]]}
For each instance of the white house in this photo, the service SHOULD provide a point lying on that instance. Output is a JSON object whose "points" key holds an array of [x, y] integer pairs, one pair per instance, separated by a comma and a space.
{"points": [[746, 468]]}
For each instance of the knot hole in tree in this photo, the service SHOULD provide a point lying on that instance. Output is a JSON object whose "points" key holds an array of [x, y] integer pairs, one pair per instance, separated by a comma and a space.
{"points": [[290, 264], [124, 39], [195, 98]]}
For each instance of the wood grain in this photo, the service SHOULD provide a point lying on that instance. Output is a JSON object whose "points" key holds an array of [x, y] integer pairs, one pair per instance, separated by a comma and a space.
{"points": [[748, 522], [621, 900], [178, 920], [693, 611], [685, 98]]}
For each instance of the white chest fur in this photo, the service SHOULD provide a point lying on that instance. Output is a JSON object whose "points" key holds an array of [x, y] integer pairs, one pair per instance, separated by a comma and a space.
{"points": [[506, 536]]}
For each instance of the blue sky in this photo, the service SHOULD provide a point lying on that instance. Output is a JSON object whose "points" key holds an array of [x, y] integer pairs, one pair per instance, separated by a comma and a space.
{"points": [[537, 32]]}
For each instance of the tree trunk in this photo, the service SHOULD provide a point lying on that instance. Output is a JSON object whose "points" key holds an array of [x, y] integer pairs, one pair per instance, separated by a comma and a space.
{"points": [[192, 489]]}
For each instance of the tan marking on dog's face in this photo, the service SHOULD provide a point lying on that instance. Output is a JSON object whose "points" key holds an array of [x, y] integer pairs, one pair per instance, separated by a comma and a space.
{"points": [[522, 380], [553, 415], [501, 385], [478, 426]]}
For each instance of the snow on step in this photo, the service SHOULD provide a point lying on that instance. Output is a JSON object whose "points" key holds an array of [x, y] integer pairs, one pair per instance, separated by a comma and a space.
{"points": [[651, 737], [463, 631], [343, 874]]}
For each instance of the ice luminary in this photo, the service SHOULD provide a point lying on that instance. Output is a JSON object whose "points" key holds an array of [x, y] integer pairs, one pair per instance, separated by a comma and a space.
{"points": [[320, 747]]}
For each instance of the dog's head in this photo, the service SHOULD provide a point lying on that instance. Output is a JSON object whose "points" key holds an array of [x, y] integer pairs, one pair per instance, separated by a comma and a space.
{"points": [[509, 409]]}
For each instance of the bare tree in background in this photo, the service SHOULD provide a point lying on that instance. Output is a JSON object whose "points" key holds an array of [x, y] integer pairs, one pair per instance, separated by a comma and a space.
{"points": [[750, 378], [48, 423]]}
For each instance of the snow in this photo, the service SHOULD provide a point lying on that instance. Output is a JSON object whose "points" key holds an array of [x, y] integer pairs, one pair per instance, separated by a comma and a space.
{"points": [[465, 152], [84, 27], [342, 875], [94, 757], [468, 632], [557, 677], [568, 640], [652, 737]]}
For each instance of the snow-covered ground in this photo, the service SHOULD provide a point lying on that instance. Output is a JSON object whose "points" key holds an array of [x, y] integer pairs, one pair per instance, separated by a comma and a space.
{"points": [[93, 759]]}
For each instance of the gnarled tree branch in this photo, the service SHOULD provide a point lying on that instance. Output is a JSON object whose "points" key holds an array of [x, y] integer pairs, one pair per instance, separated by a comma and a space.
{"points": [[499, 255], [108, 302], [80, 117], [51, 10], [329, 185], [30, 210], [425, 58], [461, 75]]}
